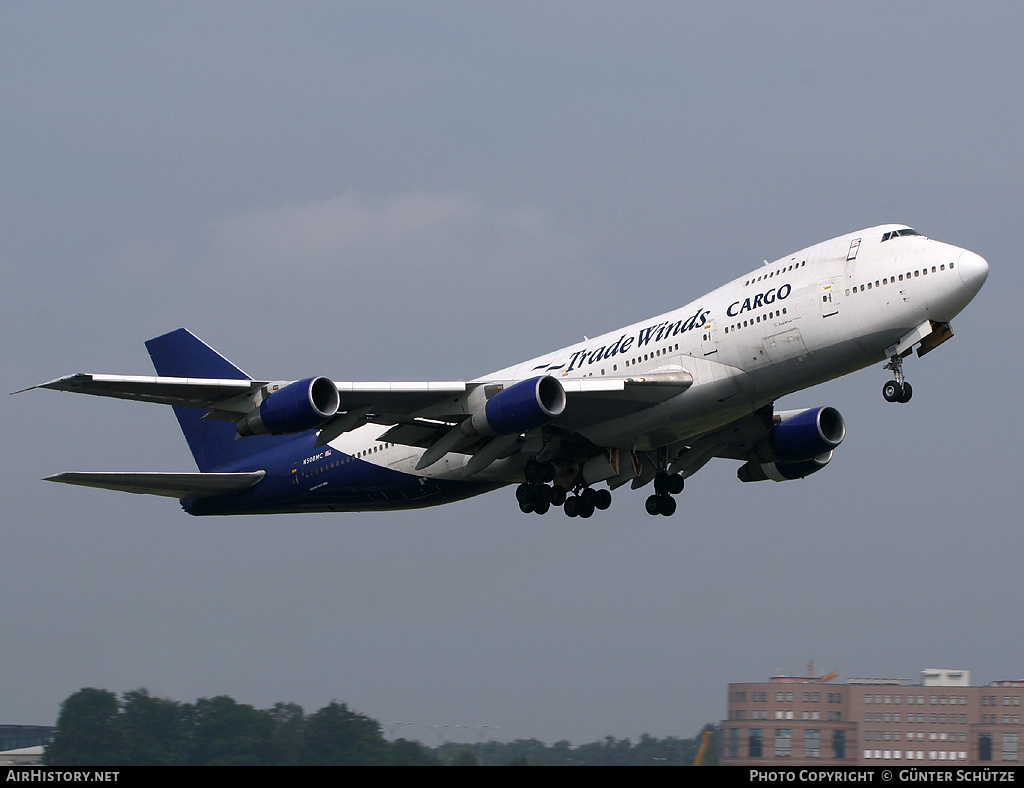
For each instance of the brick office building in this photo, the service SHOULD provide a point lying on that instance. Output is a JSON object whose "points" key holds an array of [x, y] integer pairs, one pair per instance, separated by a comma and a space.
{"points": [[805, 721]]}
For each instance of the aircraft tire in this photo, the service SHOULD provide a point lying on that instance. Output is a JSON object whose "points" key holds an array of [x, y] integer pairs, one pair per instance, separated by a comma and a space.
{"points": [[653, 505], [572, 506], [892, 391], [668, 506], [908, 392], [602, 499], [557, 495]]}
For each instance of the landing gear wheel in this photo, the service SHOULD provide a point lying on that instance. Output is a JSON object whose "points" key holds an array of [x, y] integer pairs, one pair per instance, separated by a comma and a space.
{"points": [[602, 499], [897, 390], [557, 495], [664, 505], [542, 506], [581, 505], [539, 471], [668, 483], [892, 391]]}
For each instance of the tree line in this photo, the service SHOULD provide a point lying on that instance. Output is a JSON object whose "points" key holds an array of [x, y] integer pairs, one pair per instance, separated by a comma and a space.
{"points": [[95, 727]]}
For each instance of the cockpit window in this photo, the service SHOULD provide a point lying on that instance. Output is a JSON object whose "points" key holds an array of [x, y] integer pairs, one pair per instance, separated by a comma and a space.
{"points": [[899, 234]]}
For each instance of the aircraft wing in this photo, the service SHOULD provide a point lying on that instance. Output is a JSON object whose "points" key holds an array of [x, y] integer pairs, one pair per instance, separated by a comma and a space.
{"points": [[588, 399], [189, 392], [231, 396], [417, 412], [172, 485]]}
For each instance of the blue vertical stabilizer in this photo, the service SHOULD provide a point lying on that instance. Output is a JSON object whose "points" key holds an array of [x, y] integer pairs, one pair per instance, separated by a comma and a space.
{"points": [[181, 354]]}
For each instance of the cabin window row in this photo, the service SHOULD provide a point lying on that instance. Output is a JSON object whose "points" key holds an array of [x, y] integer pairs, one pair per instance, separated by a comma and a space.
{"points": [[893, 279], [645, 357], [758, 319], [770, 274]]}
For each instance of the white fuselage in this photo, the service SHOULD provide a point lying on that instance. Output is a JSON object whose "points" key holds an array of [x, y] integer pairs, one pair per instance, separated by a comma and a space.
{"points": [[809, 317]]}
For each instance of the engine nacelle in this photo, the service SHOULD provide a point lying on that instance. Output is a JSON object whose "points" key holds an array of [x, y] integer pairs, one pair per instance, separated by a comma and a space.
{"points": [[519, 407], [806, 435], [781, 471], [299, 406]]}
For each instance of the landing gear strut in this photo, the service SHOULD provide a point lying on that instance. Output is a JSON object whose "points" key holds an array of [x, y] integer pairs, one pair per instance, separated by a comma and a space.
{"points": [[897, 390]]}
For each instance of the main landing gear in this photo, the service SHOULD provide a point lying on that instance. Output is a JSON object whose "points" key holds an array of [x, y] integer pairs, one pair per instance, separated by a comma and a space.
{"points": [[539, 498], [665, 486], [897, 390], [538, 495]]}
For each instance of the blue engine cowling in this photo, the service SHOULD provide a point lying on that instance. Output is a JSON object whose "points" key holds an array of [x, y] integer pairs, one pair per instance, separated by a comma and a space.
{"points": [[806, 434], [299, 406], [754, 471], [519, 407]]}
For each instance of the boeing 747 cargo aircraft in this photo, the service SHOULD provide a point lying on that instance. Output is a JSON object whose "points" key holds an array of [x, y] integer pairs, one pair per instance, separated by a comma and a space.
{"points": [[650, 403]]}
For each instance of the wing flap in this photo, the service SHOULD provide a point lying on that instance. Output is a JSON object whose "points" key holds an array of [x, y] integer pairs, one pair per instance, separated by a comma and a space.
{"points": [[593, 400], [398, 399], [171, 485]]}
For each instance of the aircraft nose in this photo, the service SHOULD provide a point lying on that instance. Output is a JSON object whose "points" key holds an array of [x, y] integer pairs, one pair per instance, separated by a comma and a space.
{"points": [[973, 270]]}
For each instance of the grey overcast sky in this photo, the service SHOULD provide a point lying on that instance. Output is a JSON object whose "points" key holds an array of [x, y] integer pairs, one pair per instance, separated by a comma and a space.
{"points": [[417, 191]]}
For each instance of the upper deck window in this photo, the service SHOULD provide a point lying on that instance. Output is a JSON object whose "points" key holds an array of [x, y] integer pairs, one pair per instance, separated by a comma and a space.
{"points": [[899, 234]]}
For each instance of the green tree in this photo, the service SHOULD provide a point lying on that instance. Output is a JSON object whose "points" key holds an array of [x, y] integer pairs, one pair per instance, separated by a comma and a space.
{"points": [[403, 752], [88, 731], [156, 731], [289, 730], [463, 756], [338, 736], [227, 733]]}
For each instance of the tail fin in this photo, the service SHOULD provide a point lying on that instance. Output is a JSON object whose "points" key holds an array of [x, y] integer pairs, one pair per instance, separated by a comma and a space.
{"points": [[181, 354]]}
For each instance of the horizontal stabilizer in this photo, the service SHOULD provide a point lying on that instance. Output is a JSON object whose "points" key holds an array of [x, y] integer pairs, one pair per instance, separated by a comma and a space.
{"points": [[172, 485]]}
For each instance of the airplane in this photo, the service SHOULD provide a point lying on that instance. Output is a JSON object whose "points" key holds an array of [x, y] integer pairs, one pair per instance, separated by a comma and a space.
{"points": [[650, 403]]}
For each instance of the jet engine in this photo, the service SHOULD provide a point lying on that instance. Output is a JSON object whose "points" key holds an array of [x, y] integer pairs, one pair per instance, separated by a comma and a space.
{"points": [[800, 443], [517, 408], [299, 406], [754, 471]]}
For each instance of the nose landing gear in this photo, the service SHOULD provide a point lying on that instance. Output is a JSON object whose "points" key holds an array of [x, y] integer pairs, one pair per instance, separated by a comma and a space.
{"points": [[897, 390]]}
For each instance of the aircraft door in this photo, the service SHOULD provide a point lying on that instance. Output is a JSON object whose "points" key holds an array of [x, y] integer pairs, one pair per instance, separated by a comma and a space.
{"points": [[708, 343], [828, 291]]}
